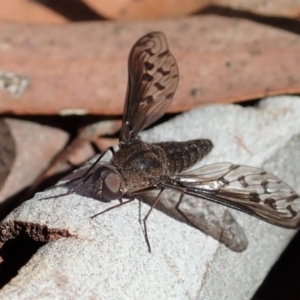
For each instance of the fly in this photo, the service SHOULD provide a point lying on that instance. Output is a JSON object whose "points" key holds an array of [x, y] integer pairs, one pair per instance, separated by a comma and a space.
{"points": [[139, 166]]}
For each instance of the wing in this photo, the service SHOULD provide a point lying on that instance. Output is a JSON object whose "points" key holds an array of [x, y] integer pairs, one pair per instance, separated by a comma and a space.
{"points": [[153, 78], [248, 189]]}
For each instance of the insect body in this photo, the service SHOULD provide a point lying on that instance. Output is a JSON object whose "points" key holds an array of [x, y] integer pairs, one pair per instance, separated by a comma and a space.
{"points": [[139, 166]]}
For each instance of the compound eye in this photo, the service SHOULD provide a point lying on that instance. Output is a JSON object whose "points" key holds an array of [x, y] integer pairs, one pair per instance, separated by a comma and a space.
{"points": [[100, 173], [111, 188]]}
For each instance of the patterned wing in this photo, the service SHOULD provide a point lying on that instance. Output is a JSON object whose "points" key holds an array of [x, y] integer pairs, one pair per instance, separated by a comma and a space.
{"points": [[248, 189], [153, 78]]}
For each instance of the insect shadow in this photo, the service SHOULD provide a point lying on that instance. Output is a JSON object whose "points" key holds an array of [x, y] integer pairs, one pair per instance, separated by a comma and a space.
{"points": [[212, 219]]}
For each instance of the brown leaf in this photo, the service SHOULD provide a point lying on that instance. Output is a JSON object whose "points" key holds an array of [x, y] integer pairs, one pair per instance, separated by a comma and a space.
{"points": [[155, 9], [82, 68], [29, 12], [59, 12], [287, 8], [81, 154], [146, 9], [104, 143]]}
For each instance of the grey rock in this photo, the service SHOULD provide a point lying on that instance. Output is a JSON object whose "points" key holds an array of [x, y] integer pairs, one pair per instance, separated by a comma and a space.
{"points": [[107, 257]]}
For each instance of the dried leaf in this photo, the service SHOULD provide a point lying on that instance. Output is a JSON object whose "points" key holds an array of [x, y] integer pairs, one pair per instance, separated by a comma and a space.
{"points": [[155, 9], [29, 12], [82, 68], [147, 9], [287, 8]]}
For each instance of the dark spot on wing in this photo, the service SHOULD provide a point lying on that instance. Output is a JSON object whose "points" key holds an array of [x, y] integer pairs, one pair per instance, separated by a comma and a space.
{"points": [[254, 197], [293, 197], [293, 213], [148, 66], [147, 77], [169, 96], [163, 72], [242, 181], [159, 86], [149, 52], [264, 185], [163, 53], [148, 99], [271, 202]]}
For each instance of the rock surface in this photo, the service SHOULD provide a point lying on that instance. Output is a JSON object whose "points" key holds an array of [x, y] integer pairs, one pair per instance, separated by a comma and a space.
{"points": [[107, 257]]}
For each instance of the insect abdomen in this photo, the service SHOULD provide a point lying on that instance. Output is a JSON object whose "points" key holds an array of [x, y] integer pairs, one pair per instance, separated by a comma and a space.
{"points": [[183, 155]]}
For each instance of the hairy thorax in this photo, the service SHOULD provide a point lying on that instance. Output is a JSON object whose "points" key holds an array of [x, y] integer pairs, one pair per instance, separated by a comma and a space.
{"points": [[140, 164]]}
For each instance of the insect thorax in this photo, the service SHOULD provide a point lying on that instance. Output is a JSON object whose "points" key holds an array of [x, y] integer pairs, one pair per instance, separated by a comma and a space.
{"points": [[140, 164]]}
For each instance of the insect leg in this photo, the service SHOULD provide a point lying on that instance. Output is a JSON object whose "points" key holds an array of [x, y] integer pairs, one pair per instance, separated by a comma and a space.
{"points": [[182, 214], [86, 176], [112, 207], [146, 217], [91, 167]]}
